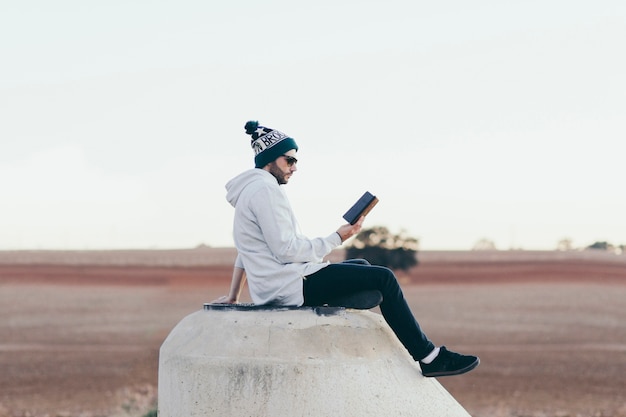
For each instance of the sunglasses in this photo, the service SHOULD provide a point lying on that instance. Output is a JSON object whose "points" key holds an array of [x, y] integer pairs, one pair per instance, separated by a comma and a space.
{"points": [[290, 160]]}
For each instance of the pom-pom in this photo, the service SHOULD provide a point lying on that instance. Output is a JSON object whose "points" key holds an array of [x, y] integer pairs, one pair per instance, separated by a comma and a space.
{"points": [[251, 127]]}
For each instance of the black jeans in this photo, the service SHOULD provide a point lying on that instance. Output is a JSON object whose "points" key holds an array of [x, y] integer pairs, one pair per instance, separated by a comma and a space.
{"points": [[348, 277]]}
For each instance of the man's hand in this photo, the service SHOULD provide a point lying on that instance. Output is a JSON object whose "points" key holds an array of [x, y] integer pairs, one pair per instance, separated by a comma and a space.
{"points": [[224, 299], [348, 230]]}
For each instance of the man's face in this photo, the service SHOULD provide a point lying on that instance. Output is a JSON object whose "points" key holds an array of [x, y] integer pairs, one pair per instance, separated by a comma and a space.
{"points": [[283, 167]]}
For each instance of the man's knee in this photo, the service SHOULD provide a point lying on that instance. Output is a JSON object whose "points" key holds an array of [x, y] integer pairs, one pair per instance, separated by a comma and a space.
{"points": [[389, 278], [357, 261]]}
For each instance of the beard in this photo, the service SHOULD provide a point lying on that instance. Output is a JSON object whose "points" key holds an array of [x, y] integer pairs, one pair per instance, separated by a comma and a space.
{"points": [[280, 176]]}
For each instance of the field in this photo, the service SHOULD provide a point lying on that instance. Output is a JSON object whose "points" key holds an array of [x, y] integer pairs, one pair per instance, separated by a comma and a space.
{"points": [[80, 331]]}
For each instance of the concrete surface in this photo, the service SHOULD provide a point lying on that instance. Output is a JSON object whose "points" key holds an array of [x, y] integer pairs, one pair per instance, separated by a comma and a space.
{"points": [[293, 363]]}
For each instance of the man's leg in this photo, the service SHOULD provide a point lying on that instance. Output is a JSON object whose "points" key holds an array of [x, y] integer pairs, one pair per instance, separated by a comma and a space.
{"points": [[346, 278], [337, 280]]}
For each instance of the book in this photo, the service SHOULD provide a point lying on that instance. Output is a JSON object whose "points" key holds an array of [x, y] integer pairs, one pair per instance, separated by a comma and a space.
{"points": [[363, 206]]}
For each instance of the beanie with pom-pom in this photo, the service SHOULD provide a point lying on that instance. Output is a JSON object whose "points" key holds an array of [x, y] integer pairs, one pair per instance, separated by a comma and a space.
{"points": [[268, 144]]}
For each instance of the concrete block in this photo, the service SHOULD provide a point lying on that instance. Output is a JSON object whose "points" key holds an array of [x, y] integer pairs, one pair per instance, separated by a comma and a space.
{"points": [[293, 362]]}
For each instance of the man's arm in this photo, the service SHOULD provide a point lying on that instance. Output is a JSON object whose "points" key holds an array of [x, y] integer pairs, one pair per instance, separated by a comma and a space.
{"points": [[277, 224], [236, 286]]}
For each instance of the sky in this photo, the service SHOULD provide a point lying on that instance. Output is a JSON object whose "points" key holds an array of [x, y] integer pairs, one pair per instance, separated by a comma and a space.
{"points": [[121, 121]]}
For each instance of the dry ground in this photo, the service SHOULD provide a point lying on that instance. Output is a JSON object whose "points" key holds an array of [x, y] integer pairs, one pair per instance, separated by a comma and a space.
{"points": [[80, 332]]}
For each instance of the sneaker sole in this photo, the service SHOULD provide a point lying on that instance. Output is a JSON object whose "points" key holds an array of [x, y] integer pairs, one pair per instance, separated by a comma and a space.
{"points": [[456, 372]]}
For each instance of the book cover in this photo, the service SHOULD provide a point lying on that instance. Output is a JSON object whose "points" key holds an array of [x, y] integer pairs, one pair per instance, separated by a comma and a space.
{"points": [[361, 207]]}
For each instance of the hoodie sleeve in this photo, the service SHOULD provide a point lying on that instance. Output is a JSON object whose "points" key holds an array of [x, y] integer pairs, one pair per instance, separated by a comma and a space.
{"points": [[277, 223], [239, 262]]}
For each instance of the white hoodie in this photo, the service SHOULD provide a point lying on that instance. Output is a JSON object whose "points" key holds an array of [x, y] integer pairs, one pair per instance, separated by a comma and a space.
{"points": [[275, 256]]}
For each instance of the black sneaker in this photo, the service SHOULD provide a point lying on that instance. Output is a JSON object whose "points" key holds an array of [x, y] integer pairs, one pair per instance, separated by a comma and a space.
{"points": [[449, 363], [363, 300]]}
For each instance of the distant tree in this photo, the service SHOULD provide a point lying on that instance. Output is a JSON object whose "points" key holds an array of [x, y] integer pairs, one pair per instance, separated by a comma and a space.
{"points": [[484, 244], [565, 244], [608, 247], [601, 245], [380, 247]]}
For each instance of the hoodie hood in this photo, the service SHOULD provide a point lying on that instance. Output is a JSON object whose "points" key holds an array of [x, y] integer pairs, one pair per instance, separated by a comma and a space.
{"points": [[235, 187]]}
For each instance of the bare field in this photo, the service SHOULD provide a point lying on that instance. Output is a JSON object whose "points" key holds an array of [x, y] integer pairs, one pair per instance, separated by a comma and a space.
{"points": [[80, 332]]}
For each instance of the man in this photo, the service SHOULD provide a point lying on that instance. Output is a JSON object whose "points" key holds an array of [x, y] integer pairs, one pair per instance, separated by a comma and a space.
{"points": [[285, 268]]}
